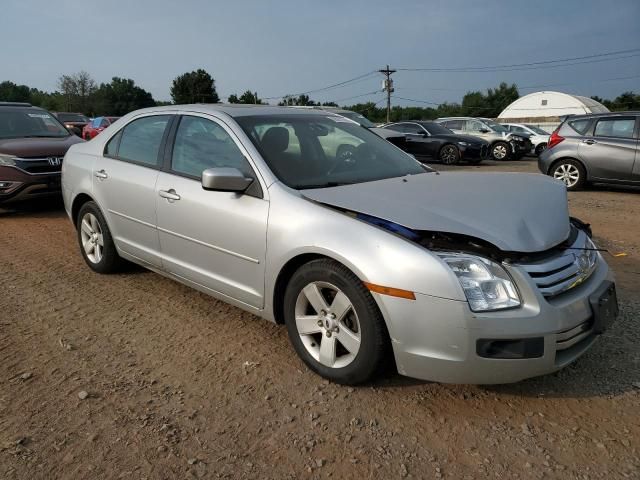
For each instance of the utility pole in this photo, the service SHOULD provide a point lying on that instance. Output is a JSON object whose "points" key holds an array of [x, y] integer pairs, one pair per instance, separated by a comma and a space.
{"points": [[388, 87]]}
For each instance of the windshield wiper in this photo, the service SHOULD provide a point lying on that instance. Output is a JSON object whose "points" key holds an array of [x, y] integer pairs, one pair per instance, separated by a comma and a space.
{"points": [[42, 136], [320, 185]]}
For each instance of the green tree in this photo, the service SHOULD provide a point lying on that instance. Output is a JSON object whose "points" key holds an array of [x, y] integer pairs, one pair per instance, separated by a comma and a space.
{"points": [[300, 100], [192, 87], [10, 92], [247, 97], [624, 102], [120, 97], [76, 90]]}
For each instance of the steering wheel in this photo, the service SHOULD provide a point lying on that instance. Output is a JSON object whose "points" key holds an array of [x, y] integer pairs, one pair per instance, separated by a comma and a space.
{"points": [[345, 158]]}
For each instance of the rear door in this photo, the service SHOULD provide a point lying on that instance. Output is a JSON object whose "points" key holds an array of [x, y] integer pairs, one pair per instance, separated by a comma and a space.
{"points": [[214, 239], [124, 184], [609, 148]]}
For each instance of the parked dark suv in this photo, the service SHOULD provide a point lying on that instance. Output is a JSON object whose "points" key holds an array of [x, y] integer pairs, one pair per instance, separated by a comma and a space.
{"points": [[599, 148], [32, 145]]}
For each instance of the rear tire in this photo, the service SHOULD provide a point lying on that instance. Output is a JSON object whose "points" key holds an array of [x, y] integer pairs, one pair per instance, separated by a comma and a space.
{"points": [[570, 172], [500, 151], [96, 243], [449, 154], [334, 323]]}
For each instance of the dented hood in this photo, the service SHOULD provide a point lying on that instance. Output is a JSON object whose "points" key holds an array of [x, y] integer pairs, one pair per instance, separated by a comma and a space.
{"points": [[516, 212]]}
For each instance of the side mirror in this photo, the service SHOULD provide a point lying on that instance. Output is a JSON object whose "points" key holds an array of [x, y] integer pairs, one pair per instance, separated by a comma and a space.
{"points": [[225, 179], [484, 130]]}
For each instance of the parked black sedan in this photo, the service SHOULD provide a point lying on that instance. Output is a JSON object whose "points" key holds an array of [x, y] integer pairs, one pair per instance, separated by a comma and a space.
{"points": [[431, 140]]}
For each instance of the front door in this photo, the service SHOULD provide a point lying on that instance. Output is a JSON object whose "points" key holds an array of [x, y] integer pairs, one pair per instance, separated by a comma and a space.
{"points": [[214, 239]]}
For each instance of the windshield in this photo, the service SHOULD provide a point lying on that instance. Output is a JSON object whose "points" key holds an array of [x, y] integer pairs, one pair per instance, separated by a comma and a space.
{"points": [[436, 129], [30, 123], [72, 117], [316, 151], [537, 130], [356, 117], [495, 126]]}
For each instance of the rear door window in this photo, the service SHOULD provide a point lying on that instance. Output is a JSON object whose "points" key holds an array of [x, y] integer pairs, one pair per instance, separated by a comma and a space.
{"points": [[412, 128], [141, 140], [620, 127]]}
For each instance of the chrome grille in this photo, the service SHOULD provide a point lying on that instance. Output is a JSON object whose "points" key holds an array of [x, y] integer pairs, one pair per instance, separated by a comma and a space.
{"points": [[37, 166], [565, 270]]}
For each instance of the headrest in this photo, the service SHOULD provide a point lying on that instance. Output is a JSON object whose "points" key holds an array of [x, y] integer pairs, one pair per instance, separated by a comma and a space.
{"points": [[275, 140]]}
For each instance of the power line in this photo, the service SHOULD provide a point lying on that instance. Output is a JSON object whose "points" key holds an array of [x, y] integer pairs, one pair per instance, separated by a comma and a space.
{"points": [[357, 96], [532, 65], [335, 85]]}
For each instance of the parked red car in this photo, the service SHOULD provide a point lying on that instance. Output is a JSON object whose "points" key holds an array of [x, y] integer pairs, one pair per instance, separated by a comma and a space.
{"points": [[97, 125]]}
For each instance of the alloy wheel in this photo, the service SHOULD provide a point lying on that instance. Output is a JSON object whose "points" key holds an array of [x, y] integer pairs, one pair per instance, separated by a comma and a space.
{"points": [[499, 152], [568, 173], [449, 154], [327, 324], [91, 236]]}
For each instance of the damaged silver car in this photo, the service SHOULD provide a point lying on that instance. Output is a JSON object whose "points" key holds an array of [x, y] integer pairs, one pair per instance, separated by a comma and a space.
{"points": [[370, 259]]}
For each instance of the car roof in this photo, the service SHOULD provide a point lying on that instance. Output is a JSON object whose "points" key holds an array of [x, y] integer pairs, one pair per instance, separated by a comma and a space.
{"points": [[15, 104], [603, 114], [236, 110], [460, 118]]}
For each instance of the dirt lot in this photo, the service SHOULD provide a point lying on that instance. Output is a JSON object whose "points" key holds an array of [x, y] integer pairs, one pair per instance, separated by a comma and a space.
{"points": [[179, 385]]}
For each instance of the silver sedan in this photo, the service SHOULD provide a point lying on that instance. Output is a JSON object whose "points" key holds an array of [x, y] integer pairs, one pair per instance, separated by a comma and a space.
{"points": [[308, 219]]}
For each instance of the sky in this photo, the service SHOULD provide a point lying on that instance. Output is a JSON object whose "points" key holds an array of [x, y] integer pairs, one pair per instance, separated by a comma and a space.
{"points": [[278, 47]]}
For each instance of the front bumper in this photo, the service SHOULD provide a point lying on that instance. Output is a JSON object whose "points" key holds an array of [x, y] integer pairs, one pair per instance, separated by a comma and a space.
{"points": [[25, 186], [436, 339], [473, 152]]}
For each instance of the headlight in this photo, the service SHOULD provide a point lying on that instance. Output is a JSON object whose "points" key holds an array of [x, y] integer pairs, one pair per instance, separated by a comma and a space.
{"points": [[463, 144], [486, 284], [7, 160]]}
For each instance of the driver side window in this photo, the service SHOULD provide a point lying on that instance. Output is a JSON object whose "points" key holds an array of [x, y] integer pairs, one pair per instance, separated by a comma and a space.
{"points": [[202, 144], [412, 128], [474, 126]]}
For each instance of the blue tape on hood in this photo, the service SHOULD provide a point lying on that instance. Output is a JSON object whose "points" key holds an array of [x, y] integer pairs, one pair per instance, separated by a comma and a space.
{"points": [[387, 225]]}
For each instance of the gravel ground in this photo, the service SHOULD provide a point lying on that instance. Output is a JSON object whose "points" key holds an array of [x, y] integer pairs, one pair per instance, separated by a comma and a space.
{"points": [[136, 376]]}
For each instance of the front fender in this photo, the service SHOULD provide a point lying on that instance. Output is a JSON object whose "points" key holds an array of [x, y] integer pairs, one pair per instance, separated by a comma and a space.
{"points": [[298, 226]]}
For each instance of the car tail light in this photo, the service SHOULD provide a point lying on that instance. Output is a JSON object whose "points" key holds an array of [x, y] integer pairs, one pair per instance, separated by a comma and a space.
{"points": [[554, 139]]}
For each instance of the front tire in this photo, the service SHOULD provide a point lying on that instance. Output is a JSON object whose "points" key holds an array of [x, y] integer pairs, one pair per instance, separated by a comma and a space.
{"points": [[500, 151], [449, 155], [571, 173], [96, 243], [334, 323], [540, 148]]}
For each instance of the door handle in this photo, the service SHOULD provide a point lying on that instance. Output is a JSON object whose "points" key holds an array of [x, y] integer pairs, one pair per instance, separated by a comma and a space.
{"points": [[589, 142], [101, 174], [169, 194]]}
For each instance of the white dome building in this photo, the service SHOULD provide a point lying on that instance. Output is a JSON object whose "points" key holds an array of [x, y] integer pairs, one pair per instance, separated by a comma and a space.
{"points": [[546, 109]]}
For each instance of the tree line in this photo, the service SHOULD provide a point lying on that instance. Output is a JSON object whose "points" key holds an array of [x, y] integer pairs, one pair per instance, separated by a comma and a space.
{"points": [[79, 92]]}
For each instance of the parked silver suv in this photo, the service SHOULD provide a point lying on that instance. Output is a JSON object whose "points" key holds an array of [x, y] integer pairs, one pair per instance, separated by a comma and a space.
{"points": [[503, 144], [601, 148], [360, 256]]}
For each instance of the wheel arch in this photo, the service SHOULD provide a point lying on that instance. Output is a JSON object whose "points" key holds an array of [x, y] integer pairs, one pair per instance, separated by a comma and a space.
{"points": [[553, 164], [284, 276], [77, 204]]}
